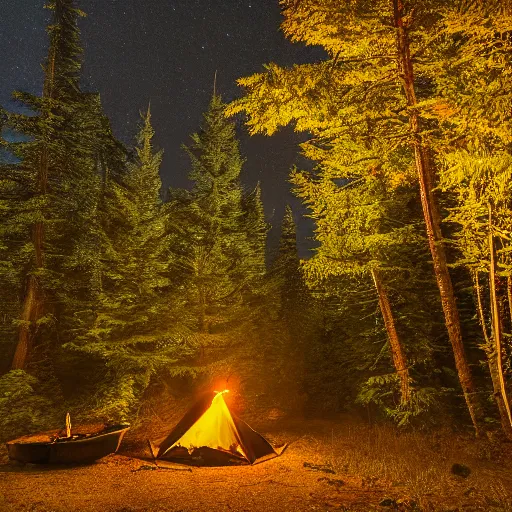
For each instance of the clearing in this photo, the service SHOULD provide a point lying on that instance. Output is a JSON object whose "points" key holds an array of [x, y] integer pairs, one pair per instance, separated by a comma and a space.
{"points": [[329, 465]]}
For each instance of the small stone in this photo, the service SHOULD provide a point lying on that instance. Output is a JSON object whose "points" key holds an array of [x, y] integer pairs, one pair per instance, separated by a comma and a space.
{"points": [[461, 470]]}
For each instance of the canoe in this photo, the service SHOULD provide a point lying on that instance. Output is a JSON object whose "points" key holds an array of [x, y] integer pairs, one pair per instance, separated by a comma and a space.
{"points": [[78, 449]]}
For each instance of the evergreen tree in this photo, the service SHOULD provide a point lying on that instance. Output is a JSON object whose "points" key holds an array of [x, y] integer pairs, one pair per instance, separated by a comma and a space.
{"points": [[218, 256], [138, 327], [288, 323], [473, 97], [256, 228], [53, 190], [369, 233], [365, 105], [287, 265], [50, 193], [482, 211], [362, 233]]}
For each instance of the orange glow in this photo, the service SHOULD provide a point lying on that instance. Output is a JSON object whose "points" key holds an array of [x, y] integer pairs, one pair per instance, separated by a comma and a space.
{"points": [[214, 429], [231, 381]]}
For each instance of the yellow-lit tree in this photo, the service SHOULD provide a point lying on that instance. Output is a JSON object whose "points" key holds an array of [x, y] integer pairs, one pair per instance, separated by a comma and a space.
{"points": [[374, 93], [473, 53], [362, 232]]}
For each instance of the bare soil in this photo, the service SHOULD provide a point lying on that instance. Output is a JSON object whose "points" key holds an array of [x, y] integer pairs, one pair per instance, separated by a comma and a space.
{"points": [[329, 465]]}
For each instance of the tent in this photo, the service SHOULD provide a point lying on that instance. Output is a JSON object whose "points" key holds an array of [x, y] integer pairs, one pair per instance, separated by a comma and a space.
{"points": [[209, 434]]}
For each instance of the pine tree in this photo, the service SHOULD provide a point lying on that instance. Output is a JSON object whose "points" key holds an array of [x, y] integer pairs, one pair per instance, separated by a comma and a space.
{"points": [[53, 189], [289, 323], [138, 328], [218, 253], [256, 228], [481, 184], [473, 56], [287, 265], [367, 233]]}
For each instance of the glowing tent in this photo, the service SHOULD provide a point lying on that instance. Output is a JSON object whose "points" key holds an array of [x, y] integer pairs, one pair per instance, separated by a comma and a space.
{"points": [[209, 434]]}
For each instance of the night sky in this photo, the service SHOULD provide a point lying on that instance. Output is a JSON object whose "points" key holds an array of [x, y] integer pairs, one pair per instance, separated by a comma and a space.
{"points": [[167, 52]]}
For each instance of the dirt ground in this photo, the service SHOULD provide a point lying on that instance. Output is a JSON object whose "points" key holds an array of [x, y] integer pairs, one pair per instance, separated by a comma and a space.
{"points": [[329, 465]]}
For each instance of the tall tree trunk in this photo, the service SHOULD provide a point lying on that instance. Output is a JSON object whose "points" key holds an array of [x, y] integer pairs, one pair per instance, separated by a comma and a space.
{"points": [[29, 315], [509, 297], [432, 216], [33, 301], [496, 323], [491, 361], [399, 359]]}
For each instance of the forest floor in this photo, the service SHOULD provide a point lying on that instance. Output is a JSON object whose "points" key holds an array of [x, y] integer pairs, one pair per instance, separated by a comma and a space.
{"points": [[329, 465]]}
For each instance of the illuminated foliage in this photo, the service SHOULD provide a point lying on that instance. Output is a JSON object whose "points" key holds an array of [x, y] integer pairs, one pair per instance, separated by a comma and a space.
{"points": [[378, 105], [50, 195], [138, 327]]}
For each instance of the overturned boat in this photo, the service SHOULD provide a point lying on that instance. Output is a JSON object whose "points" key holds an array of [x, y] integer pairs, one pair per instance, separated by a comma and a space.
{"points": [[78, 448]]}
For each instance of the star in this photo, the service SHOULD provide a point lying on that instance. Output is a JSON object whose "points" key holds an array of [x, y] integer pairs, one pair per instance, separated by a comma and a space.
{"points": [[170, 54]]}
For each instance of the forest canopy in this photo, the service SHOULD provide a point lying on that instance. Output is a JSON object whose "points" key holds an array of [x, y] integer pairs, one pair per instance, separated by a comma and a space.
{"points": [[114, 290]]}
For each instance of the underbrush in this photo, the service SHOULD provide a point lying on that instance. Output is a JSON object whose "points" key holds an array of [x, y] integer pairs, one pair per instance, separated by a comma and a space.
{"points": [[22, 409], [419, 466]]}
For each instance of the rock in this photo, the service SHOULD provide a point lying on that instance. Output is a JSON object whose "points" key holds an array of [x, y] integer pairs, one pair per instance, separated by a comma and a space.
{"points": [[461, 470], [387, 502]]}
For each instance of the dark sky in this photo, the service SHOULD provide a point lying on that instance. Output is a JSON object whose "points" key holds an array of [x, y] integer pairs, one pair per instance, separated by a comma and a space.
{"points": [[167, 52]]}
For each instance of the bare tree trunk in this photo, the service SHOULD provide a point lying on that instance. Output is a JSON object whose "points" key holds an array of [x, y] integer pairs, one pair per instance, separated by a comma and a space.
{"points": [[432, 216], [399, 359], [33, 301], [480, 307], [496, 323], [29, 315], [509, 297], [491, 361]]}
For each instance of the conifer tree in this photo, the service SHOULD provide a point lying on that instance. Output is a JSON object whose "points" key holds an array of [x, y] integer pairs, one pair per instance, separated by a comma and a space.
{"points": [[218, 254], [53, 189], [473, 59], [363, 230], [137, 330], [256, 228], [136, 252], [366, 104], [482, 186], [288, 324], [287, 264]]}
